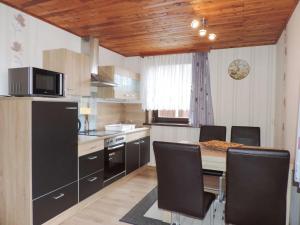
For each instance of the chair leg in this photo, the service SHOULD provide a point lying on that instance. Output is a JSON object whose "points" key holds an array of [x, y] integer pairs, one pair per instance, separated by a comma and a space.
{"points": [[175, 219], [222, 188], [213, 213]]}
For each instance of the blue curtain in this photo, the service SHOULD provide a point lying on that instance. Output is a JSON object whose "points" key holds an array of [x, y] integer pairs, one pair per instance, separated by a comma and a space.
{"points": [[201, 109]]}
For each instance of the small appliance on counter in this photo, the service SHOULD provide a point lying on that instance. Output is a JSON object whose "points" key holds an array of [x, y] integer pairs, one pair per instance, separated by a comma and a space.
{"points": [[99, 133], [31, 81], [120, 127], [86, 111]]}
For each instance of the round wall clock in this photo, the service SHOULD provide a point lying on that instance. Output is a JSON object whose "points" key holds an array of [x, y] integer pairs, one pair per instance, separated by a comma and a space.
{"points": [[238, 69]]}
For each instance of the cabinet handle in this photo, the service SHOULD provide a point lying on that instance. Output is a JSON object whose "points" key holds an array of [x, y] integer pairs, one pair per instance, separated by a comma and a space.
{"points": [[59, 196], [92, 179], [136, 143], [118, 146], [71, 108], [142, 142], [92, 157]]}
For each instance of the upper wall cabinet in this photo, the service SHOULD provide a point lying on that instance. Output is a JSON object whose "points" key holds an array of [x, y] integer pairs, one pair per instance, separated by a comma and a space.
{"points": [[128, 83], [74, 65]]}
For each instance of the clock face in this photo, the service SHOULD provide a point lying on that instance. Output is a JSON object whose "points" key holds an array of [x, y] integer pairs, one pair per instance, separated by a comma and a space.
{"points": [[239, 69]]}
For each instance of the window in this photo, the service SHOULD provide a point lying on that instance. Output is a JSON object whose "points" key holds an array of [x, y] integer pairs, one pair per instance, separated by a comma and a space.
{"points": [[170, 116], [166, 84]]}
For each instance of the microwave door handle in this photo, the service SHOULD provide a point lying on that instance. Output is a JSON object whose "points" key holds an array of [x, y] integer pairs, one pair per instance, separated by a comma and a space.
{"points": [[61, 85], [115, 147]]}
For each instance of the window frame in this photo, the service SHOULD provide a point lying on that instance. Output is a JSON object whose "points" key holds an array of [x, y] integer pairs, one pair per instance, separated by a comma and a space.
{"points": [[157, 119]]}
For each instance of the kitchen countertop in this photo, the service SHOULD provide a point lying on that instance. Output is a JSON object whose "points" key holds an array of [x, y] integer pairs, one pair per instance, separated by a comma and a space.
{"points": [[41, 99], [84, 139]]}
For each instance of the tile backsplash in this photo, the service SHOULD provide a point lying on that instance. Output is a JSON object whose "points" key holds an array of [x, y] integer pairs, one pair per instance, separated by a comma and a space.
{"points": [[109, 113]]}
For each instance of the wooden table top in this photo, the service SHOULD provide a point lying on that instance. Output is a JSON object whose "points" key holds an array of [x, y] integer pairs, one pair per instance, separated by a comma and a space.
{"points": [[216, 159]]}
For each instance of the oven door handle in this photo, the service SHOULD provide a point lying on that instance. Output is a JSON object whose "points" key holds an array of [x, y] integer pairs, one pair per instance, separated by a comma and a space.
{"points": [[115, 147]]}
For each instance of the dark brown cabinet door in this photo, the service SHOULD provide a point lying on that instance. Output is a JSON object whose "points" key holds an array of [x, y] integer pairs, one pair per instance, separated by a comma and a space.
{"points": [[132, 156], [54, 203], [54, 146], [91, 163], [90, 185], [144, 151]]}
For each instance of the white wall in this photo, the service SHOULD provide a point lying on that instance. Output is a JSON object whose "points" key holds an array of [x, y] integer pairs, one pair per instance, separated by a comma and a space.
{"points": [[280, 92], [34, 37], [37, 36], [247, 102], [172, 134], [292, 93], [292, 79], [108, 58]]}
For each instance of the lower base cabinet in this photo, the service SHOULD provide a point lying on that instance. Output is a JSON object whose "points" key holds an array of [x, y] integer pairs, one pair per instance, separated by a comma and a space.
{"points": [[90, 185], [132, 156], [91, 174], [144, 151], [137, 154], [54, 203]]}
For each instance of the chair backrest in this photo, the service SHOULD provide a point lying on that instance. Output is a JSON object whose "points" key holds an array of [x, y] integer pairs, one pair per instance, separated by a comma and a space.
{"points": [[256, 186], [208, 133], [180, 178], [245, 135]]}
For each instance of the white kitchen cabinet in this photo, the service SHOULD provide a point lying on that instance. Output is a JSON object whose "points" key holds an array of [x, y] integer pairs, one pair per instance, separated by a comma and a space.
{"points": [[128, 87]]}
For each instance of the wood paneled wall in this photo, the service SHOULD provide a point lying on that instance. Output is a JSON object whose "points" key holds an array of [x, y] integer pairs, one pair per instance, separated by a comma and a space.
{"points": [[157, 27]]}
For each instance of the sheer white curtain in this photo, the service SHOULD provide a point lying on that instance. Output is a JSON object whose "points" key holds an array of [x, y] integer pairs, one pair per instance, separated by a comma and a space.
{"points": [[166, 82]]}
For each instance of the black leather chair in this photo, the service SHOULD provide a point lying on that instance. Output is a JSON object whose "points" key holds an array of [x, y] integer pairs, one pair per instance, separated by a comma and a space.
{"points": [[245, 135], [208, 133], [180, 179], [256, 186]]}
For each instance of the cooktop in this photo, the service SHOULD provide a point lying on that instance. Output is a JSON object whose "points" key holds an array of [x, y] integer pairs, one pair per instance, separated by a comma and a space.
{"points": [[99, 133]]}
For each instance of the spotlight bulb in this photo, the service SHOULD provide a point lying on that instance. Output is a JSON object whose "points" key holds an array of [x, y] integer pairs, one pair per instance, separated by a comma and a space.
{"points": [[195, 24], [202, 32], [212, 36]]}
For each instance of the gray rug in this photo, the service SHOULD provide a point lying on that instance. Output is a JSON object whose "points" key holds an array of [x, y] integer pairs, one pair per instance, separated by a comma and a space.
{"points": [[136, 215]]}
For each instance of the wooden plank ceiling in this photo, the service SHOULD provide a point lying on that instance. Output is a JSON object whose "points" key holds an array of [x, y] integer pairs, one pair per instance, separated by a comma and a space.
{"points": [[152, 27]]}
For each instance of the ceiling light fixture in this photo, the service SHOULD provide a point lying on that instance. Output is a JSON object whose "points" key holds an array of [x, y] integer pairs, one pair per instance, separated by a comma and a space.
{"points": [[195, 24], [203, 31], [212, 37]]}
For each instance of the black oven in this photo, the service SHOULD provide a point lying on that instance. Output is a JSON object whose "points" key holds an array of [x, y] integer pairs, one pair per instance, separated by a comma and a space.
{"points": [[114, 157]]}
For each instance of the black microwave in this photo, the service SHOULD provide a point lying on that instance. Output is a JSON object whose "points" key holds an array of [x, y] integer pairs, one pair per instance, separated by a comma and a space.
{"points": [[31, 81]]}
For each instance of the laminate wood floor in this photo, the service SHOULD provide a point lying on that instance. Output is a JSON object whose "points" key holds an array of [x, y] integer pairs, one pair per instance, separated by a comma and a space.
{"points": [[116, 200]]}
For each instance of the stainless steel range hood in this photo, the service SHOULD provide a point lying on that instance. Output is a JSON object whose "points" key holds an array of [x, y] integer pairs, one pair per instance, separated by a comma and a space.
{"points": [[96, 81], [90, 47]]}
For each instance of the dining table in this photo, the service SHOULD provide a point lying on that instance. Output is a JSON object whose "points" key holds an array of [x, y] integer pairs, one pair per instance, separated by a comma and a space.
{"points": [[215, 159]]}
